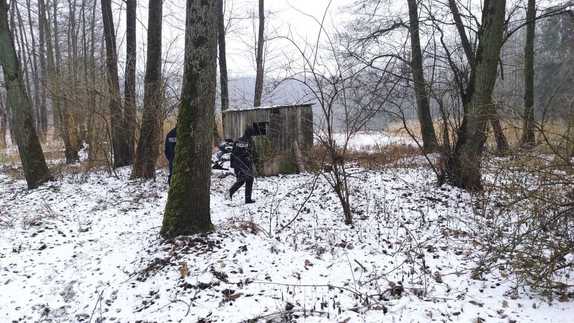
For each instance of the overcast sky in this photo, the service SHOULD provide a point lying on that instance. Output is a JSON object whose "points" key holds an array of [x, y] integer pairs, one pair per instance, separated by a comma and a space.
{"points": [[291, 18]]}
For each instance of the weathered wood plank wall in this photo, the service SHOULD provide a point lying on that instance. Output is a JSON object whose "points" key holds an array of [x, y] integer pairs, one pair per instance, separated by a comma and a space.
{"points": [[286, 125]]}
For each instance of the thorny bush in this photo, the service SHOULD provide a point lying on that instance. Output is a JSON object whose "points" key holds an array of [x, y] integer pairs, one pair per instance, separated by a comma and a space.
{"points": [[526, 223]]}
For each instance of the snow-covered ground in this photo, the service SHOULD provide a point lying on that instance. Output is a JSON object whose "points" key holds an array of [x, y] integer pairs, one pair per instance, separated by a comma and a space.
{"points": [[87, 249]]}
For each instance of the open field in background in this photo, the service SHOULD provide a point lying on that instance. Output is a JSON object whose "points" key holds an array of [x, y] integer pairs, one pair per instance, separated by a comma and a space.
{"points": [[554, 132], [367, 140]]}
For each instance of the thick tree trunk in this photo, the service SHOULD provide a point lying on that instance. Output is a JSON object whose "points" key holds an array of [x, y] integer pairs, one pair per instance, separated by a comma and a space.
{"points": [[148, 146], [463, 166], [188, 205], [31, 155], [528, 137], [423, 106], [119, 142], [130, 79], [259, 57], [43, 110], [501, 142]]}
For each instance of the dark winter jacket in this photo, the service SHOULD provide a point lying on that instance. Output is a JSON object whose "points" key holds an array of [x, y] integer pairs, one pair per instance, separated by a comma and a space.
{"points": [[170, 140], [243, 154]]}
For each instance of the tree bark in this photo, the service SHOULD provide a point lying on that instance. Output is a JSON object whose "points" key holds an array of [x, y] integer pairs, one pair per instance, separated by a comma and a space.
{"points": [[422, 99], [150, 134], [91, 81], [72, 99], [528, 137], [21, 40], [62, 111], [33, 162], [259, 58], [463, 166], [3, 123], [222, 56], [119, 142], [35, 73], [43, 72], [461, 32], [130, 78], [502, 147], [188, 205], [40, 75]]}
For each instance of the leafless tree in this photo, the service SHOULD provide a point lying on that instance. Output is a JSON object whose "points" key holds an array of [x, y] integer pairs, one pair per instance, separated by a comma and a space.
{"points": [[18, 101], [259, 57], [147, 149]]}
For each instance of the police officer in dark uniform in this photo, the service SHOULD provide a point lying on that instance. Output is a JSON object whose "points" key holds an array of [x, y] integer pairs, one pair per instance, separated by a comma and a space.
{"points": [[242, 161], [169, 151]]}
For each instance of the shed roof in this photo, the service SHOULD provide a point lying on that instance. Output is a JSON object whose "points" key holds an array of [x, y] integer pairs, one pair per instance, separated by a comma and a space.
{"points": [[270, 107]]}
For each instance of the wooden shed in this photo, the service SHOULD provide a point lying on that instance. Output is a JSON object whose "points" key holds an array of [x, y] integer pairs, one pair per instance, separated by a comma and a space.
{"points": [[288, 135]]}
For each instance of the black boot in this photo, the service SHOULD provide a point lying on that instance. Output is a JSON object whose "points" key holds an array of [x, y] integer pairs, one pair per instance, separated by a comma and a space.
{"points": [[248, 190]]}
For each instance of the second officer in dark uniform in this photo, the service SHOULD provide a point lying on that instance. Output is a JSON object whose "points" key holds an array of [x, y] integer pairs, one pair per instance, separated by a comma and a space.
{"points": [[169, 150]]}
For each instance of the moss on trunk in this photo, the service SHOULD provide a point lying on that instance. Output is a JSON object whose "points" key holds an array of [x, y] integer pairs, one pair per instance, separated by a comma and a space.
{"points": [[188, 205]]}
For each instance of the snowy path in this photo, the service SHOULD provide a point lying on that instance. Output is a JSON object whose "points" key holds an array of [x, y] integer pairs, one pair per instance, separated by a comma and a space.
{"points": [[87, 248]]}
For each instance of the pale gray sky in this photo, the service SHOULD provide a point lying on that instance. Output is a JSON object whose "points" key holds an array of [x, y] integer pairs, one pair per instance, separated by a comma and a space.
{"points": [[293, 18], [284, 18]]}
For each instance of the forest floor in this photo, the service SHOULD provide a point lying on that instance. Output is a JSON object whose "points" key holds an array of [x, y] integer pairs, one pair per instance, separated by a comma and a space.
{"points": [[86, 248]]}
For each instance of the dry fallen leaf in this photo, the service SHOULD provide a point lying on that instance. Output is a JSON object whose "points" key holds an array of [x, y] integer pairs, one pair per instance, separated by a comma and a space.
{"points": [[183, 270]]}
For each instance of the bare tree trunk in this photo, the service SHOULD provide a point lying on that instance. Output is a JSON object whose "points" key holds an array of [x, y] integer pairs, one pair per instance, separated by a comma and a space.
{"points": [[502, 147], [22, 42], [119, 142], [68, 130], [259, 58], [130, 79], [73, 97], [43, 109], [528, 137], [148, 146], [91, 81], [40, 72], [463, 166], [570, 135], [222, 56], [188, 205], [84, 71], [461, 32], [3, 123], [423, 106], [499, 136], [35, 73], [31, 155]]}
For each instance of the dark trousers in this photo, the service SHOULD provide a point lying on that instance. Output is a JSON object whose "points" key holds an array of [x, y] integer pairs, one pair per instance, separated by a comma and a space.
{"points": [[243, 178], [170, 172]]}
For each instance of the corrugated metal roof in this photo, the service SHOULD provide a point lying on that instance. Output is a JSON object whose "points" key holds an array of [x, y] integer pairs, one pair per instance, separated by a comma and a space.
{"points": [[271, 107]]}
